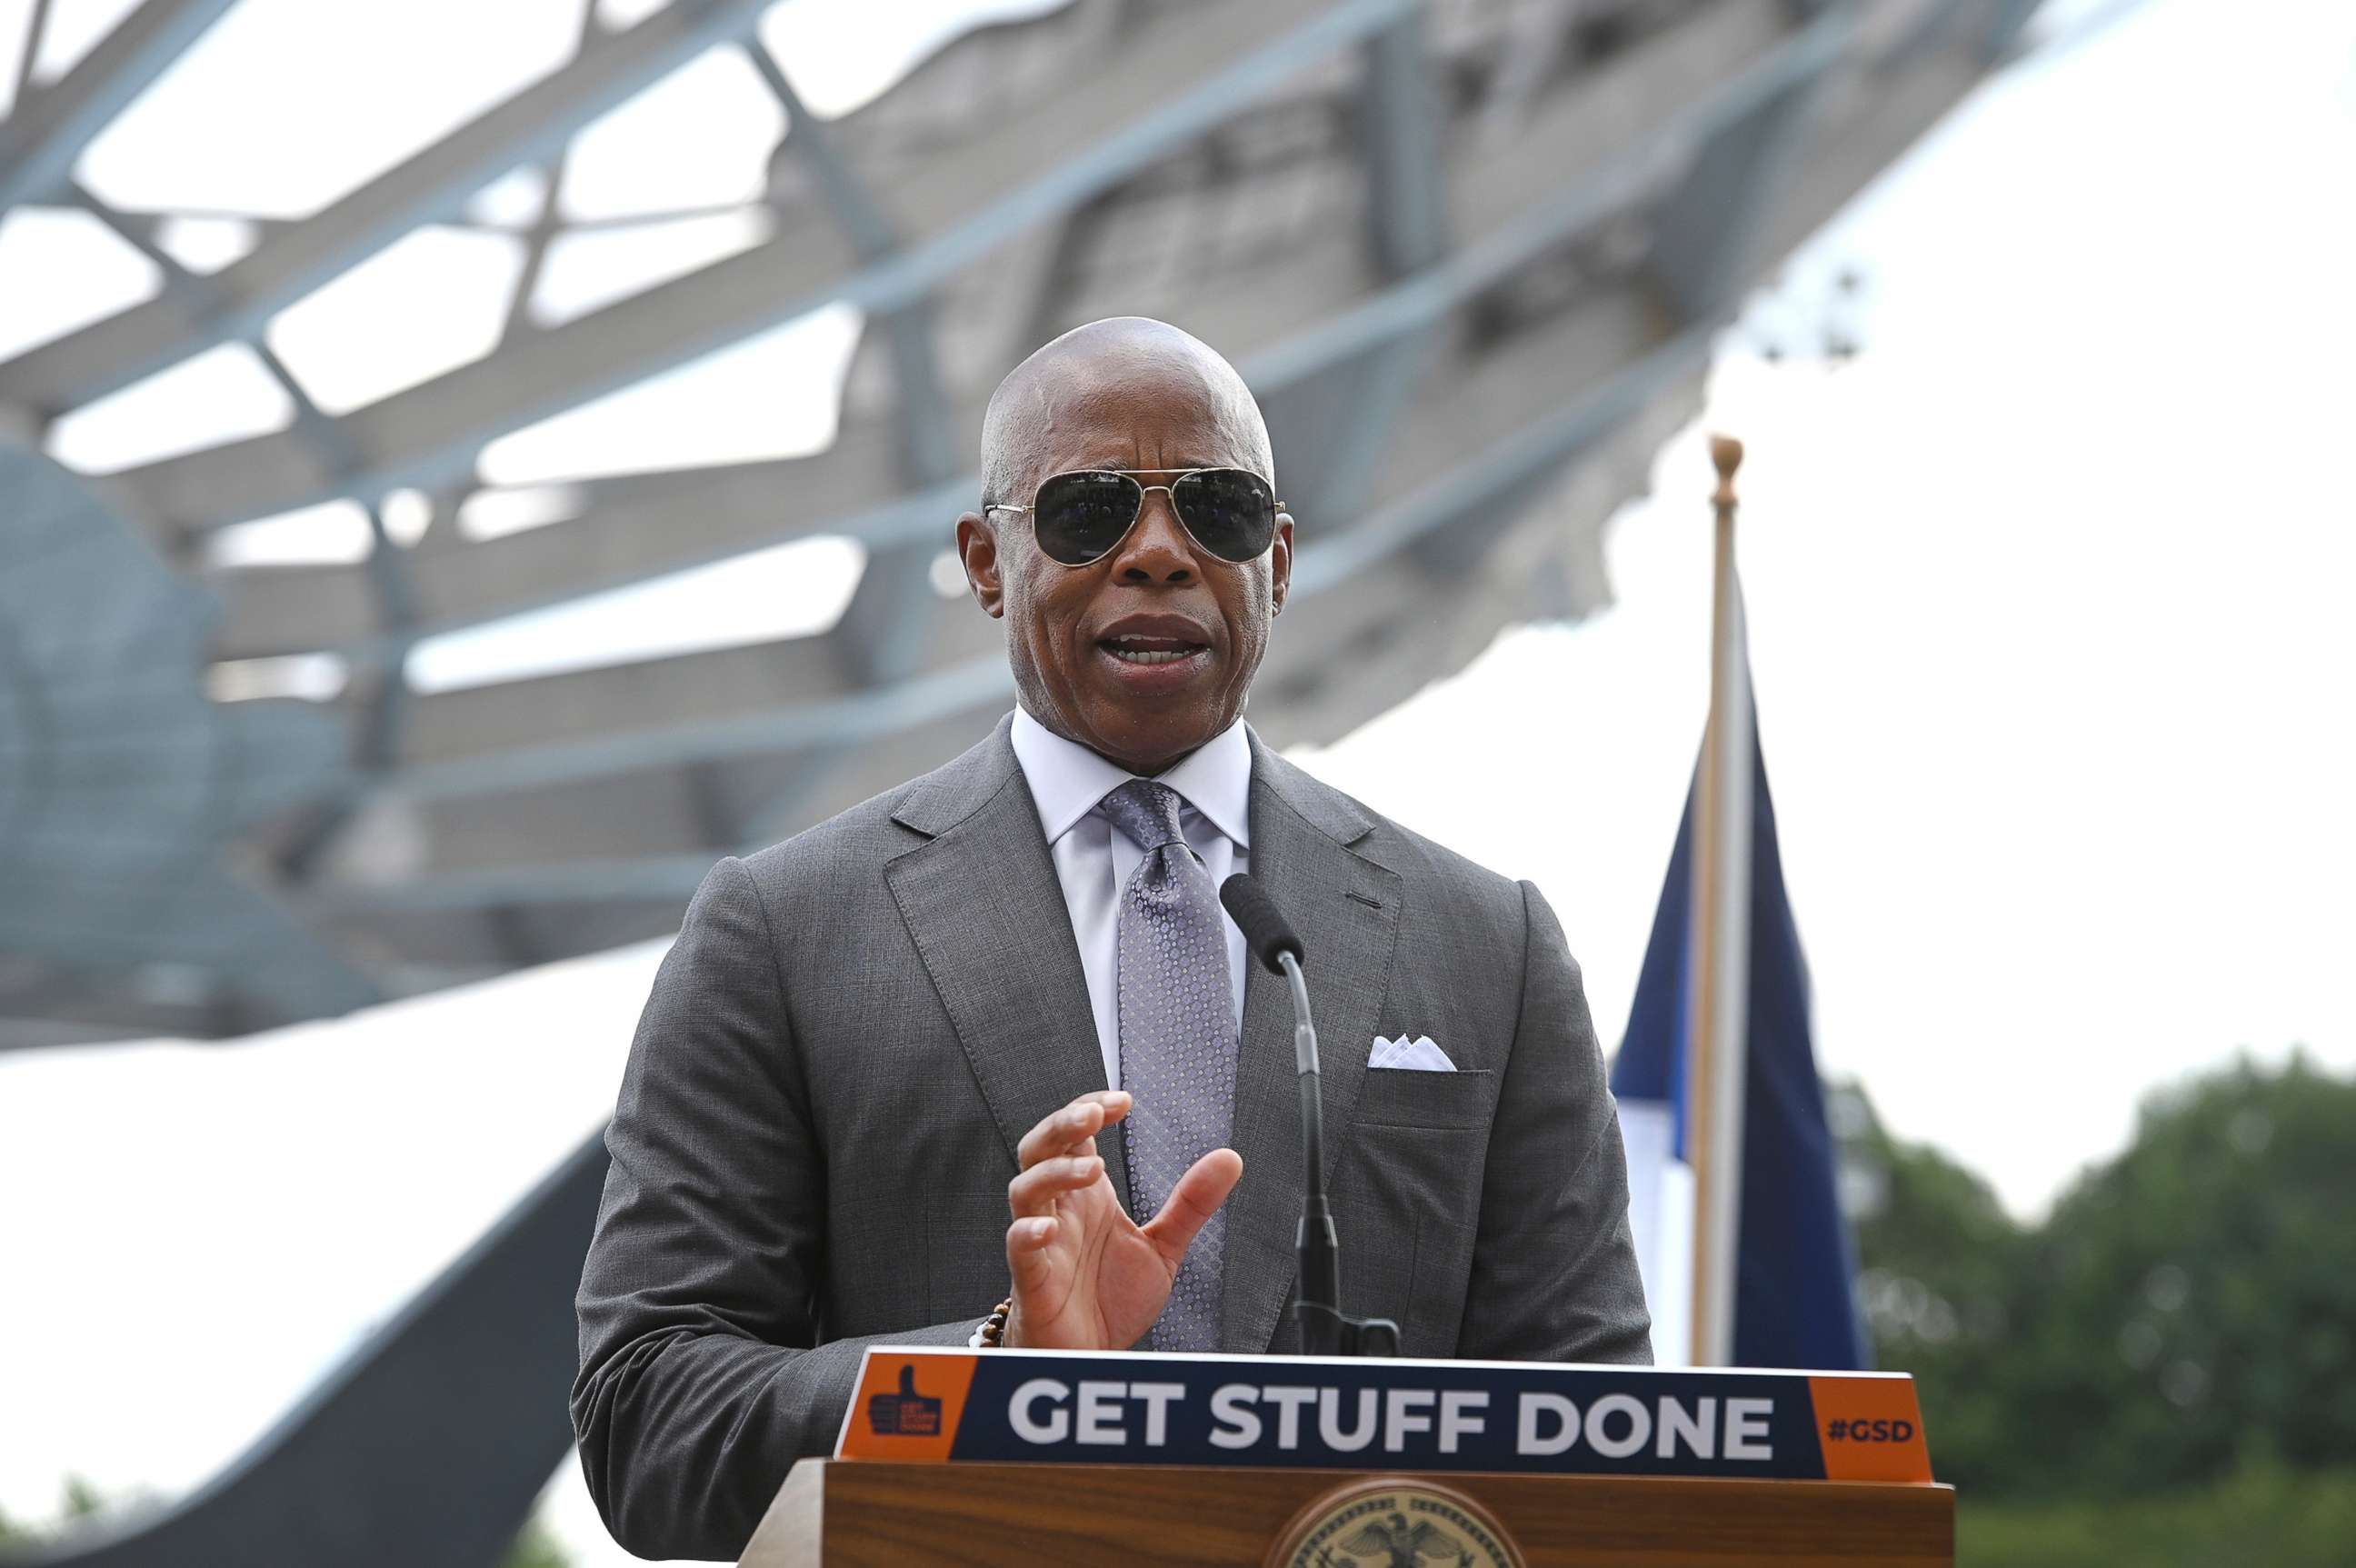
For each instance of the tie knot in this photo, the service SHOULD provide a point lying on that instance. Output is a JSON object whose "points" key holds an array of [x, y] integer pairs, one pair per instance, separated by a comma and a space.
{"points": [[1145, 812]]}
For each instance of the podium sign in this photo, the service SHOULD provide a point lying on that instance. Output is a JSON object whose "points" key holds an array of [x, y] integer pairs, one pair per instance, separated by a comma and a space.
{"points": [[1006, 1458], [921, 1405]]}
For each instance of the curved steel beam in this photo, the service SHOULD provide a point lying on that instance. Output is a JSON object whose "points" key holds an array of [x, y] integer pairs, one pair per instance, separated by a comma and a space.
{"points": [[529, 127], [430, 434], [433, 1440], [40, 142]]}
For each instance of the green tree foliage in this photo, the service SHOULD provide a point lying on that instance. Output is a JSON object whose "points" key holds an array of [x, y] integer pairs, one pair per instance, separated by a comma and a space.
{"points": [[2198, 1294], [2166, 1366], [77, 1500], [2187, 1309], [2263, 1515], [1939, 1266], [535, 1548]]}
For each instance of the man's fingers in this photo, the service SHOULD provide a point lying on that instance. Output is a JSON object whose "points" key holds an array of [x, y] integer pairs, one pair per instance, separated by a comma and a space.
{"points": [[1080, 1120], [1035, 1190], [1192, 1201], [1059, 1131], [1026, 1252]]}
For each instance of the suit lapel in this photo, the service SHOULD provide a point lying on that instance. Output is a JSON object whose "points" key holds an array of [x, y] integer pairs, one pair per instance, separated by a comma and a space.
{"points": [[1347, 909], [984, 905]]}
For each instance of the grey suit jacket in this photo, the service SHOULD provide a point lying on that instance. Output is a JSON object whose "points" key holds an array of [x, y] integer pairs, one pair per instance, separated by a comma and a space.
{"points": [[855, 1029]]}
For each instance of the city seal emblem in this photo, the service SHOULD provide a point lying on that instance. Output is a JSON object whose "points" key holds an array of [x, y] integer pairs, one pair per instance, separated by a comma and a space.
{"points": [[1393, 1522]]}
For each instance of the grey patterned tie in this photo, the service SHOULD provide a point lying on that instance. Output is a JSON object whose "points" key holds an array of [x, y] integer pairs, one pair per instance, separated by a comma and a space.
{"points": [[1177, 1040]]}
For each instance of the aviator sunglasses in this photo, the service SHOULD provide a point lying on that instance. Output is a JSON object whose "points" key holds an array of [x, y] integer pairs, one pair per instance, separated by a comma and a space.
{"points": [[1082, 517]]}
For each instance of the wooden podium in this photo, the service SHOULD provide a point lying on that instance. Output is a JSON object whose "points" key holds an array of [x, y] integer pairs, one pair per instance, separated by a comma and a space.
{"points": [[872, 1514], [1025, 1458]]}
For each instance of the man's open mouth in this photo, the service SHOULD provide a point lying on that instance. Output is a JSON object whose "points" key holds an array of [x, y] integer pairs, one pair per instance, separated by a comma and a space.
{"points": [[1132, 650]]}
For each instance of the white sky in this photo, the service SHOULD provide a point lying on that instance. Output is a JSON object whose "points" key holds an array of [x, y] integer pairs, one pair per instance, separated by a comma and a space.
{"points": [[2048, 597]]}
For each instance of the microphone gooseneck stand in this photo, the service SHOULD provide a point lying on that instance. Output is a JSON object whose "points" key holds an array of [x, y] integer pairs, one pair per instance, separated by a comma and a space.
{"points": [[1325, 1328]]}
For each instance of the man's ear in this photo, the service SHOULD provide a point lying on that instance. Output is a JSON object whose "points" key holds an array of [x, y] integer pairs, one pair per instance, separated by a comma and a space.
{"points": [[1280, 560], [978, 550]]}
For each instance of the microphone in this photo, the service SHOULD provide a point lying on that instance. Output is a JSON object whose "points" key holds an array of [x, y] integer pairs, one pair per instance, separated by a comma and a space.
{"points": [[1317, 1307], [1266, 930]]}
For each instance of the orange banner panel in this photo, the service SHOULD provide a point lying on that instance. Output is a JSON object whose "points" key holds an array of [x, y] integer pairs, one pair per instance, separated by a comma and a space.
{"points": [[1871, 1429], [907, 1407]]}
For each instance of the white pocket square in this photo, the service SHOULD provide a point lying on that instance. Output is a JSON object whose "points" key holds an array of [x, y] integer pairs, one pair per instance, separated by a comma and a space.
{"points": [[1418, 1055]]}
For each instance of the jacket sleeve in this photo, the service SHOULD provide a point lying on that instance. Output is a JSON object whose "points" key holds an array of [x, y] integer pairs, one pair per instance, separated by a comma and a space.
{"points": [[702, 1380], [1554, 1270]]}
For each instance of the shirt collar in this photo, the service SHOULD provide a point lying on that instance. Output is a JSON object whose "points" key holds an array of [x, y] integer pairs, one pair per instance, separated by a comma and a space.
{"points": [[1068, 780]]}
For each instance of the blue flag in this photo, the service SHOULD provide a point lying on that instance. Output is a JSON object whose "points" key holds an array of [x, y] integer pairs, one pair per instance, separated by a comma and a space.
{"points": [[1795, 1266]]}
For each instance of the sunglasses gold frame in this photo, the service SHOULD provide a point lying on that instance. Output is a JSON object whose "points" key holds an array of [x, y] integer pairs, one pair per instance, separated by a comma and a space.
{"points": [[1144, 490]]}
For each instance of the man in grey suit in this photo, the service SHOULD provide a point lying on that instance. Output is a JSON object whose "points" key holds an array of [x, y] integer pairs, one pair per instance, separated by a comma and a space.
{"points": [[934, 1053]]}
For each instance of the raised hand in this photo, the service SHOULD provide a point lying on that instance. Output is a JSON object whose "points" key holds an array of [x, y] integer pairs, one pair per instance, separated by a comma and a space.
{"points": [[1087, 1277]]}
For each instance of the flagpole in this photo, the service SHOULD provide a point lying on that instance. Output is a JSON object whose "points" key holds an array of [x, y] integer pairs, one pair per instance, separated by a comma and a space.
{"points": [[1718, 983]]}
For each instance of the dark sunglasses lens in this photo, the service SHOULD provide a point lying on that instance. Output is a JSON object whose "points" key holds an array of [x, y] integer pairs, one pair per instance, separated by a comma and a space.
{"points": [[1078, 517], [1231, 513]]}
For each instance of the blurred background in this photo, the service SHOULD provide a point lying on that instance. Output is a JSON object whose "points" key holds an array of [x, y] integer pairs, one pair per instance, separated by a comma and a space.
{"points": [[463, 469]]}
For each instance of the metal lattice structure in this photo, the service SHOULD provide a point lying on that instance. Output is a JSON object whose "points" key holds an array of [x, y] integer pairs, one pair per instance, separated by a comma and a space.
{"points": [[1470, 255]]}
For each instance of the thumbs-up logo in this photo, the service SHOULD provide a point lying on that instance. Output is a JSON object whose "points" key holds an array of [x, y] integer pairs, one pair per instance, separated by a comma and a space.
{"points": [[907, 1414]]}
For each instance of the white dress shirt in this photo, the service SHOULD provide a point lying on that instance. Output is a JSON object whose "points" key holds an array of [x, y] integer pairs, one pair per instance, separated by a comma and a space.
{"points": [[1093, 862]]}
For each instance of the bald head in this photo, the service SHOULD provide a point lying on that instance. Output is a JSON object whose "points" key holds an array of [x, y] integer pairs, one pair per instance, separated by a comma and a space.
{"points": [[1146, 650], [1122, 359]]}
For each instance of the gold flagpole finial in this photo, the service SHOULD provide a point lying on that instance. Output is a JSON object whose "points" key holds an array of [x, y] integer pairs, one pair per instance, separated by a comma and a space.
{"points": [[1726, 456]]}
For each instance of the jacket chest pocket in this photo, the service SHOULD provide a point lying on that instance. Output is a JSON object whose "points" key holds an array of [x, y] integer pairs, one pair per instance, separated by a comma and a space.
{"points": [[1408, 1198], [1441, 1101]]}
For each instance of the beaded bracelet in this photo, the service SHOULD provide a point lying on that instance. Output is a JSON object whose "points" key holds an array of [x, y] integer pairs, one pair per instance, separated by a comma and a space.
{"points": [[992, 1335]]}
